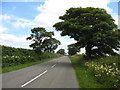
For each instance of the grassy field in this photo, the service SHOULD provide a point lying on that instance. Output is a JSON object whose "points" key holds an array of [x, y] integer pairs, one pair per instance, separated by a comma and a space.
{"points": [[97, 73]]}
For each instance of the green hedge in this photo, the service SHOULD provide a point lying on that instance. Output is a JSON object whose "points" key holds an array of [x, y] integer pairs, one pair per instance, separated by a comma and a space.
{"points": [[16, 56]]}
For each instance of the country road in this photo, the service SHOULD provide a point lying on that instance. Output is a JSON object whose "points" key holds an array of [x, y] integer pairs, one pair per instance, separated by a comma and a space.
{"points": [[57, 73]]}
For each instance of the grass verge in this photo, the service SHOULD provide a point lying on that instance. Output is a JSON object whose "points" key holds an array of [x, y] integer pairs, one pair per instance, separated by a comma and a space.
{"points": [[103, 72], [13, 68], [84, 77]]}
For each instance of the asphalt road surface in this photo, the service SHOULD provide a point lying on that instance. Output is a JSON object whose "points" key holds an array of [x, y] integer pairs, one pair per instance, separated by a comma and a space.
{"points": [[57, 73]]}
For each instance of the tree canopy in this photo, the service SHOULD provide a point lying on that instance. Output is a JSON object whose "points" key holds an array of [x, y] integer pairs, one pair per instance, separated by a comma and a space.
{"points": [[42, 40], [73, 49], [92, 28], [50, 45], [61, 51]]}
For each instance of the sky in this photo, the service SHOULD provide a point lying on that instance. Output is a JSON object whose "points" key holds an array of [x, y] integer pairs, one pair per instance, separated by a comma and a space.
{"points": [[18, 17]]}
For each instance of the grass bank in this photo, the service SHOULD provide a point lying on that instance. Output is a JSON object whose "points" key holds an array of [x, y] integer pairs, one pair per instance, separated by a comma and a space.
{"points": [[13, 68], [97, 73], [17, 58]]}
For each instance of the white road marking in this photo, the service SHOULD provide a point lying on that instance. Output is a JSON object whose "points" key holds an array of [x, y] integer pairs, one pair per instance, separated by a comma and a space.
{"points": [[53, 66], [34, 79]]}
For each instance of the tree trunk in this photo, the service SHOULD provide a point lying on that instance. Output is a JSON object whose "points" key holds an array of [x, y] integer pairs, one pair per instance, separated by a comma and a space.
{"points": [[88, 50]]}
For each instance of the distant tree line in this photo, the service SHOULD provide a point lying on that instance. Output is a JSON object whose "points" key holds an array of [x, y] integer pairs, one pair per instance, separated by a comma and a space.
{"points": [[61, 51]]}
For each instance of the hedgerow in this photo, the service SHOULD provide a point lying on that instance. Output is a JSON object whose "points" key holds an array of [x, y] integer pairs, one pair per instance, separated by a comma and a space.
{"points": [[16, 56]]}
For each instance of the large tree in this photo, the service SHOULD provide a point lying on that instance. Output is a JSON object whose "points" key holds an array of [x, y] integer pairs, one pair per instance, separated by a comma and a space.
{"points": [[92, 28], [61, 51], [73, 49], [38, 36], [50, 45]]}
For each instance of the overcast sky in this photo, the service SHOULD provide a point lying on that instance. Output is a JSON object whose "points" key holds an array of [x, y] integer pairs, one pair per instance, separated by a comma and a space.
{"points": [[18, 18]]}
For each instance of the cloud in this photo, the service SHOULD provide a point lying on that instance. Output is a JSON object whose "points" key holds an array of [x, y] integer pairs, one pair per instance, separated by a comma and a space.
{"points": [[114, 0], [64, 41], [52, 9], [21, 22], [58, 36], [12, 40], [4, 17], [2, 29], [23, 0], [64, 44], [115, 17], [16, 22]]}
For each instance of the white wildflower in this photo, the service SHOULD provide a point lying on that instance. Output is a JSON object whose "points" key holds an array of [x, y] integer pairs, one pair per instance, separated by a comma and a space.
{"points": [[114, 64]]}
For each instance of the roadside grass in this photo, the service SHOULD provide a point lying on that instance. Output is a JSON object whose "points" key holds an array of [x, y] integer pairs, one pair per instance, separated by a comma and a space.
{"points": [[103, 72], [84, 77], [13, 68]]}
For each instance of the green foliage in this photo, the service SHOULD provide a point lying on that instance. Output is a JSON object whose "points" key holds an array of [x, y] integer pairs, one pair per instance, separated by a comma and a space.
{"points": [[92, 28], [73, 49], [104, 71], [16, 56], [85, 79], [61, 51], [50, 45], [43, 40]]}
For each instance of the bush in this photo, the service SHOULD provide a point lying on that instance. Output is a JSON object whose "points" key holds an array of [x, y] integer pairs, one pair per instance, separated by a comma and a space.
{"points": [[102, 72], [106, 71], [15, 56]]}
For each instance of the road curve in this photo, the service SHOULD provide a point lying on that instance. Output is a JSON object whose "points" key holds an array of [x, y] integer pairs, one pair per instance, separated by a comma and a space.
{"points": [[57, 73]]}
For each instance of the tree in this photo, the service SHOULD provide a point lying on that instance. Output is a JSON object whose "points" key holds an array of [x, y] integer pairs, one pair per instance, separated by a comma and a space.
{"points": [[38, 36], [61, 51], [50, 45], [92, 28], [73, 49]]}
